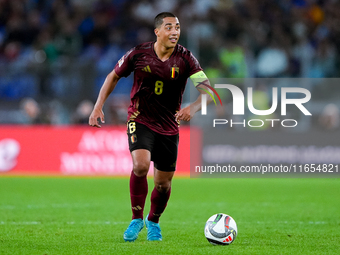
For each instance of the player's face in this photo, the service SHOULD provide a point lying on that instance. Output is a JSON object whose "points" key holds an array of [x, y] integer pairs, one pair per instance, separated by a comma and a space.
{"points": [[168, 33]]}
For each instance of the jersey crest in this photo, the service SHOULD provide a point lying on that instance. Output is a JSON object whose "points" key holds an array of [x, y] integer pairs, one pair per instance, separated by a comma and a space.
{"points": [[174, 73]]}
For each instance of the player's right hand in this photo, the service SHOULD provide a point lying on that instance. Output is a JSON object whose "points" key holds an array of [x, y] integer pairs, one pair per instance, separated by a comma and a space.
{"points": [[95, 115]]}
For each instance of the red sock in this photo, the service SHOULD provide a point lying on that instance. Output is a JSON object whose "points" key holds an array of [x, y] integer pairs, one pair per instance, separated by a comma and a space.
{"points": [[158, 203], [138, 193]]}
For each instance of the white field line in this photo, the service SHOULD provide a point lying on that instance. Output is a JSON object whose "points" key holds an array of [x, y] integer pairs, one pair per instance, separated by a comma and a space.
{"points": [[39, 206]]}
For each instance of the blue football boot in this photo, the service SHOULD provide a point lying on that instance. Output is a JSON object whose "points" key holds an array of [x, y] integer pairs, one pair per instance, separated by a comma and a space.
{"points": [[131, 233], [154, 231]]}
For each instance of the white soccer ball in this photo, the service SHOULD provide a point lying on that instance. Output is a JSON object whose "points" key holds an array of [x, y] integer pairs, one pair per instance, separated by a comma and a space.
{"points": [[220, 229]]}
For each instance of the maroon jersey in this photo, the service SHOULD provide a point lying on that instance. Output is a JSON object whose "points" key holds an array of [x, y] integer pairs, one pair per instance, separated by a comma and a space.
{"points": [[158, 86]]}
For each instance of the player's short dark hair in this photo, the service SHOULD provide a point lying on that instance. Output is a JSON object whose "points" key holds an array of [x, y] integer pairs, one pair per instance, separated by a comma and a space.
{"points": [[159, 18]]}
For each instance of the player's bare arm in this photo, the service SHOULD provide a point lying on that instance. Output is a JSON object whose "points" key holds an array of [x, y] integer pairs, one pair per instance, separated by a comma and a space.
{"points": [[108, 86]]}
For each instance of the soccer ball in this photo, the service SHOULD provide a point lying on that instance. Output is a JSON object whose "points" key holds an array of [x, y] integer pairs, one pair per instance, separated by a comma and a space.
{"points": [[220, 229]]}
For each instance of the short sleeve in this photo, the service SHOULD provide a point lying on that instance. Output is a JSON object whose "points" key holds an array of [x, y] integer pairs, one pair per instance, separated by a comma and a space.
{"points": [[194, 65], [124, 66]]}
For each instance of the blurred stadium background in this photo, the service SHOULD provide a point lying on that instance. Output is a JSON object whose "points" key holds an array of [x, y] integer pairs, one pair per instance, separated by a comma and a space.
{"points": [[55, 55]]}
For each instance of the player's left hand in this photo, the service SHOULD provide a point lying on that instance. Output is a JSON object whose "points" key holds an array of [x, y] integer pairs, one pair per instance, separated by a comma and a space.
{"points": [[95, 115], [184, 114]]}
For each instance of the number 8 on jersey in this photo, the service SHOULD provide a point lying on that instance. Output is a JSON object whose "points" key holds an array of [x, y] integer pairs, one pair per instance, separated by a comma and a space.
{"points": [[159, 87]]}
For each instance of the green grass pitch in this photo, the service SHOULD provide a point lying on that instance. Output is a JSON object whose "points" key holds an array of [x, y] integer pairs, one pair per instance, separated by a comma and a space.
{"points": [[44, 215]]}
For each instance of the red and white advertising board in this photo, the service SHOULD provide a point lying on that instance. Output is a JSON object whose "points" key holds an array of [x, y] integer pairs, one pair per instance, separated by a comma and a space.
{"points": [[77, 150]]}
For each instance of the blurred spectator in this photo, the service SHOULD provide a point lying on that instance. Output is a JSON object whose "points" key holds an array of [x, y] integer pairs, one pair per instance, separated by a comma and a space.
{"points": [[272, 61], [12, 51], [83, 112], [15, 29], [324, 60], [45, 42], [68, 42], [330, 117], [233, 60], [32, 113], [302, 50]]}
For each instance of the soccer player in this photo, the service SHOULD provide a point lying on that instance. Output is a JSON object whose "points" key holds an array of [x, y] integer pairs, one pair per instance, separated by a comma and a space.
{"points": [[161, 70]]}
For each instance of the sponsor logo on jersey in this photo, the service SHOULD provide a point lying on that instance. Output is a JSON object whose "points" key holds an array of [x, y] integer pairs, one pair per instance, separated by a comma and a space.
{"points": [[147, 69]]}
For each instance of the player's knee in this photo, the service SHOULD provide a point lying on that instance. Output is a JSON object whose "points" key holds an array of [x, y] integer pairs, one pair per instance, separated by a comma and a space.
{"points": [[163, 187], [141, 168]]}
